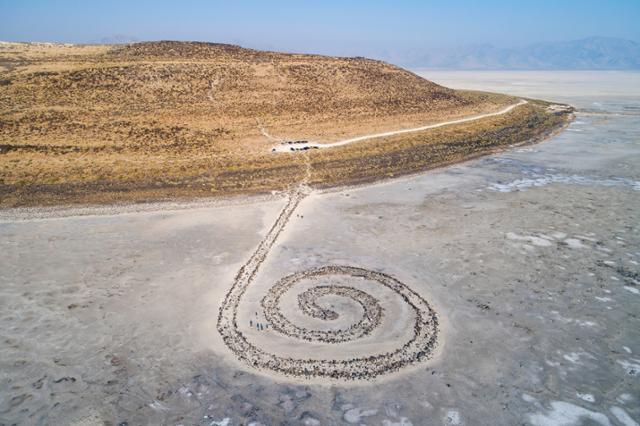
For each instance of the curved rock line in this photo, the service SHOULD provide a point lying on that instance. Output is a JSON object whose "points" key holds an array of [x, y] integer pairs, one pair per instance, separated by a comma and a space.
{"points": [[307, 302], [286, 147], [417, 348]]}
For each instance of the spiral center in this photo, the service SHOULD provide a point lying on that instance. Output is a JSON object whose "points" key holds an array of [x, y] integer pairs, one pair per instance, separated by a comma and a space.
{"points": [[372, 312]]}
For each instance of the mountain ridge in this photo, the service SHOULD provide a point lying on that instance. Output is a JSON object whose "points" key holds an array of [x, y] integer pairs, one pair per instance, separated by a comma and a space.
{"points": [[591, 53]]}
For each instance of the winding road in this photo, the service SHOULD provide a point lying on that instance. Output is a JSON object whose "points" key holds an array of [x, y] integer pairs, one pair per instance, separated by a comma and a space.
{"points": [[286, 147]]}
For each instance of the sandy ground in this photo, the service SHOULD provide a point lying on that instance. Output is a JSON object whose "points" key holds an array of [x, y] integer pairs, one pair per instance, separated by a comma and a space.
{"points": [[530, 259]]}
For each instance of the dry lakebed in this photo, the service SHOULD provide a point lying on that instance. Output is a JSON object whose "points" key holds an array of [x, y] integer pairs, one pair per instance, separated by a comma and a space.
{"points": [[504, 290]]}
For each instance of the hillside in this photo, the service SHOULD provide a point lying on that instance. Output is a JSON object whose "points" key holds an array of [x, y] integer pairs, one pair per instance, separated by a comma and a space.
{"points": [[101, 123]]}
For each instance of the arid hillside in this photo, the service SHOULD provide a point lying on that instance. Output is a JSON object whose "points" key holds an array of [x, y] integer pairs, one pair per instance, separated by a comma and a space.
{"points": [[163, 119]]}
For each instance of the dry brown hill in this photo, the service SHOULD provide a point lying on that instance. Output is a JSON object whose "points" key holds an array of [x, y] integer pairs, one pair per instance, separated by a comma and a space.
{"points": [[149, 120]]}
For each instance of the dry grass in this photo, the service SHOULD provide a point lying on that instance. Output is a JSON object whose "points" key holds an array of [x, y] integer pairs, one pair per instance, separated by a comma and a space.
{"points": [[166, 119]]}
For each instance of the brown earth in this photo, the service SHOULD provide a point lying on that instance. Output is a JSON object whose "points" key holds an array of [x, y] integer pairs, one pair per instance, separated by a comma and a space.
{"points": [[154, 120]]}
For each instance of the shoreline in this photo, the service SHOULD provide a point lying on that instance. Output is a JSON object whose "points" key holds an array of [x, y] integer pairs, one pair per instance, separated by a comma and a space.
{"points": [[58, 211], [390, 179]]}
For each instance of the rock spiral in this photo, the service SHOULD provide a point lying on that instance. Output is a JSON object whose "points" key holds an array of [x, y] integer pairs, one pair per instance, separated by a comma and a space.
{"points": [[312, 303]]}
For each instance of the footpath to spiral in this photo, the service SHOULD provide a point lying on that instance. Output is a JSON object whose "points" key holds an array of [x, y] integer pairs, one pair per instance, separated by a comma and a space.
{"points": [[333, 281]]}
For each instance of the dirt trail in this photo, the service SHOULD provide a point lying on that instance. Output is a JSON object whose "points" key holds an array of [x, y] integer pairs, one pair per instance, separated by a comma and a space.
{"points": [[285, 147]]}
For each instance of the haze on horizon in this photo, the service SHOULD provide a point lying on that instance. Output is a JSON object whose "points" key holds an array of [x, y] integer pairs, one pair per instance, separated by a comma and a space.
{"points": [[494, 34], [328, 27]]}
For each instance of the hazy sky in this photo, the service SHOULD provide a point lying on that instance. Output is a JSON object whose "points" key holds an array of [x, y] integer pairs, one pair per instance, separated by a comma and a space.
{"points": [[327, 26]]}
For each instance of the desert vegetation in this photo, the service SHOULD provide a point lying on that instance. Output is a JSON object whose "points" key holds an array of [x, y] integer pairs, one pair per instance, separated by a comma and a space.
{"points": [[176, 119]]}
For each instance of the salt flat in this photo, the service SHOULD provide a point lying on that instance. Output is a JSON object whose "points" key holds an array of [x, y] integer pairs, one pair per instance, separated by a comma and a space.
{"points": [[530, 260]]}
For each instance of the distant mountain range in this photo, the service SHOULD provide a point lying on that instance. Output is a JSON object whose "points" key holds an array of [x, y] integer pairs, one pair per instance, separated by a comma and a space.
{"points": [[594, 53]]}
